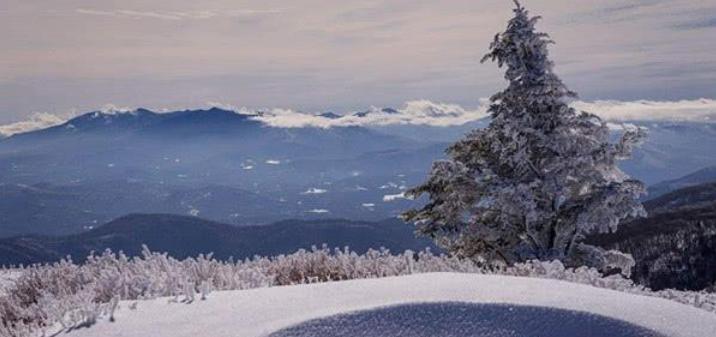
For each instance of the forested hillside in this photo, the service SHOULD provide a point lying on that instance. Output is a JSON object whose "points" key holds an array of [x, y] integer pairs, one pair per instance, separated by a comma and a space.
{"points": [[675, 247]]}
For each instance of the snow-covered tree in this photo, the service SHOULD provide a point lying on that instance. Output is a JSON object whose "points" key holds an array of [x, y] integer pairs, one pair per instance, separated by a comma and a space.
{"points": [[539, 178]]}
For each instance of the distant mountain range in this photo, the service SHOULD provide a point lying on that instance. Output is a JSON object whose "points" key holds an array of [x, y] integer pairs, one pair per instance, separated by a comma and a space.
{"points": [[183, 236], [674, 246], [55, 210], [231, 168], [212, 163], [699, 177]]}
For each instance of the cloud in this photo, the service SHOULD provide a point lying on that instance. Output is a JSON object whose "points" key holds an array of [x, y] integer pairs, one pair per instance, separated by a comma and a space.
{"points": [[37, 121], [421, 112], [129, 14], [424, 112], [43, 120], [697, 24], [176, 15], [616, 12], [700, 110], [336, 53]]}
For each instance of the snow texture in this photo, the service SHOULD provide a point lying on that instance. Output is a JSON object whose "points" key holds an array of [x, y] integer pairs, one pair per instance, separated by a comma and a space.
{"points": [[314, 190], [394, 197], [261, 312], [318, 211], [454, 319]]}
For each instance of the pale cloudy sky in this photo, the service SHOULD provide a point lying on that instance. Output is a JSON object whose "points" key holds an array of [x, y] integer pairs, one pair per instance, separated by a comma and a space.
{"points": [[319, 55]]}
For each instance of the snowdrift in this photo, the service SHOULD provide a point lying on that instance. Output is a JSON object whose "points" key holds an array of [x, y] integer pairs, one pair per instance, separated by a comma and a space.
{"points": [[265, 311]]}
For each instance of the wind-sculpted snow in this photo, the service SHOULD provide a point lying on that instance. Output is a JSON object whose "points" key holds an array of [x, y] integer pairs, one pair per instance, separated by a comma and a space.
{"points": [[260, 312], [465, 320]]}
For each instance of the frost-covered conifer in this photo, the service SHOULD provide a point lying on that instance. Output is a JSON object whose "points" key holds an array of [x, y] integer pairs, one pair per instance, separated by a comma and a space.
{"points": [[539, 178]]}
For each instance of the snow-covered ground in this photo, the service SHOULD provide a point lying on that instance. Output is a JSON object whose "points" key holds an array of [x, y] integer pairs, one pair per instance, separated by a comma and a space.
{"points": [[454, 319], [260, 312]]}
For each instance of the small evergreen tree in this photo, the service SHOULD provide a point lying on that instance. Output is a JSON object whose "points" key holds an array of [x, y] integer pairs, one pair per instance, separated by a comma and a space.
{"points": [[539, 178]]}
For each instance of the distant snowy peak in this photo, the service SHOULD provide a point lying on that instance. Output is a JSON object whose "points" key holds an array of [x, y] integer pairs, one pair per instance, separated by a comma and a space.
{"points": [[418, 112], [115, 118], [114, 114], [120, 120], [111, 109], [330, 115], [374, 110]]}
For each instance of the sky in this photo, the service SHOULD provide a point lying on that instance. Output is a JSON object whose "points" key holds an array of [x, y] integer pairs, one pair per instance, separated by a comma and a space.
{"points": [[64, 57]]}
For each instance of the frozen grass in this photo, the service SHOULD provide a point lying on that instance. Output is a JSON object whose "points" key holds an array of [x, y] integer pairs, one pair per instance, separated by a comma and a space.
{"points": [[8, 278], [65, 295]]}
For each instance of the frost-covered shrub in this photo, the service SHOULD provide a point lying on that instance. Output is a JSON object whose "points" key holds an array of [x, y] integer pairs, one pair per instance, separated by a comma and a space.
{"points": [[65, 295]]}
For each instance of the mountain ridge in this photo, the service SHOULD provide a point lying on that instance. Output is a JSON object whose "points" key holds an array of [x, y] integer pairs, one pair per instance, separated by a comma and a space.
{"points": [[354, 167], [186, 236], [704, 175]]}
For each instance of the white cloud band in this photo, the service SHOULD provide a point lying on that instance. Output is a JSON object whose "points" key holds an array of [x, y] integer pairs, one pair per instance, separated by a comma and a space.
{"points": [[699, 110], [40, 120], [424, 112], [176, 15], [420, 112]]}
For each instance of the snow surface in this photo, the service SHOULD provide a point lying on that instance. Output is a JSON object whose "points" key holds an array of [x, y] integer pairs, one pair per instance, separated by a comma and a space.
{"points": [[314, 190], [394, 197], [260, 312], [318, 211], [466, 319]]}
